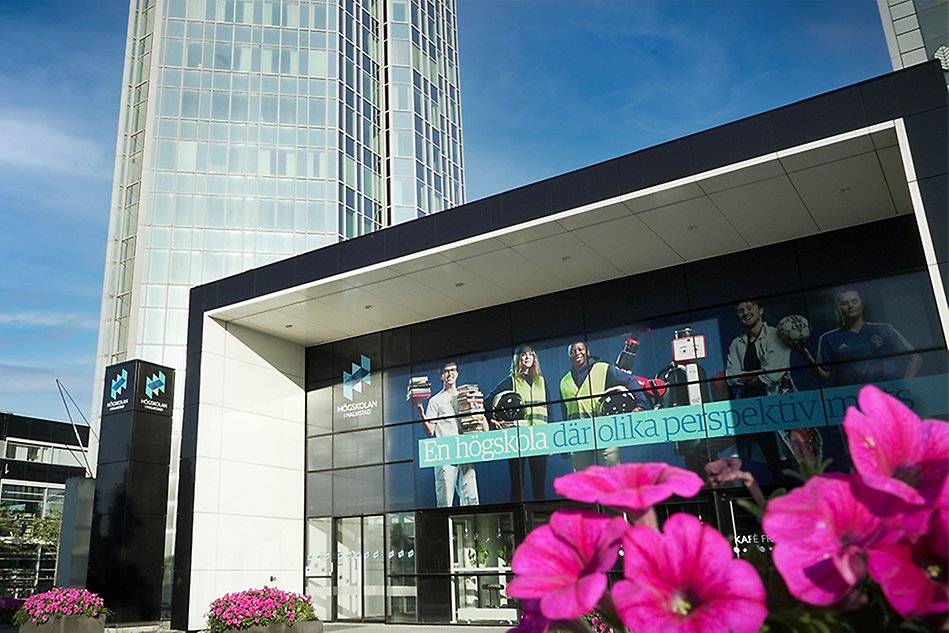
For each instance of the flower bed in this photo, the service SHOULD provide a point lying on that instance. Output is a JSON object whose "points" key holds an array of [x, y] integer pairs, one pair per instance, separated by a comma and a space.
{"points": [[267, 609], [853, 552], [62, 610]]}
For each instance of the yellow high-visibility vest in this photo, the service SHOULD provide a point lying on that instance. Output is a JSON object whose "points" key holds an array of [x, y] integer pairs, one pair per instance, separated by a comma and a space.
{"points": [[533, 395], [578, 400]]}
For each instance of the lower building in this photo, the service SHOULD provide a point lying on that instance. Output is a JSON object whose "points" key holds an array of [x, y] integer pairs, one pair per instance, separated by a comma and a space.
{"points": [[723, 294], [36, 458]]}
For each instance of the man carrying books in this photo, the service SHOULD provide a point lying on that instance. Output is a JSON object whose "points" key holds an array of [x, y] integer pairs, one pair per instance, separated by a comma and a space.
{"points": [[440, 419]]}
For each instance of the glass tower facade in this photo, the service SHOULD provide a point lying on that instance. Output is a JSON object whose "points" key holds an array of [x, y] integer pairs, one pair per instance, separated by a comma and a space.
{"points": [[916, 31], [252, 130]]}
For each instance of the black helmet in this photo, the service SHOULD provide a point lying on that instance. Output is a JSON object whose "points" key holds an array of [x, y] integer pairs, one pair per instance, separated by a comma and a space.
{"points": [[508, 406], [617, 400]]}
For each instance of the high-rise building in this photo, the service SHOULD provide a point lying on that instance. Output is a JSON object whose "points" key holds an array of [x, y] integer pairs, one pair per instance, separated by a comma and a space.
{"points": [[916, 31], [252, 130]]}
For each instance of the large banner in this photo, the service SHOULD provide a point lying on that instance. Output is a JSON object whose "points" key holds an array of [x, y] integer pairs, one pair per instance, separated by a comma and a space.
{"points": [[809, 409]]}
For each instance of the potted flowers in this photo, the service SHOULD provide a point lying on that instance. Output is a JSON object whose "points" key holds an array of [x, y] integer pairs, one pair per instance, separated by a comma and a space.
{"points": [[62, 610], [269, 610]]}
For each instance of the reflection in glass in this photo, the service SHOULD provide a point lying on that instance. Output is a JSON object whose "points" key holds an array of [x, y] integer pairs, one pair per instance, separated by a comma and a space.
{"points": [[320, 591], [403, 599], [481, 598], [401, 543]]}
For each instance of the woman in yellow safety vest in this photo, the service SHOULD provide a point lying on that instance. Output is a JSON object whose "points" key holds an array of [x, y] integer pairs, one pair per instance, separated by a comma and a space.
{"points": [[527, 381]]}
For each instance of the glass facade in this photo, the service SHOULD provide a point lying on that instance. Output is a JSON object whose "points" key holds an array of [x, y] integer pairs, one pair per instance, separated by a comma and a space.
{"points": [[916, 31], [26, 451], [252, 130], [28, 567], [606, 374]]}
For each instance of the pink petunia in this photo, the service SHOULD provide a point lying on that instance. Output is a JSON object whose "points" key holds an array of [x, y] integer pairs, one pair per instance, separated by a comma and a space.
{"points": [[821, 532], [532, 620], [915, 576], [903, 458], [687, 581], [633, 488], [564, 563]]}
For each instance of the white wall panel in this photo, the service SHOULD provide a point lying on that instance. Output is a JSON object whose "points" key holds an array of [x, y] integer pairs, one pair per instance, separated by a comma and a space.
{"points": [[248, 513]]}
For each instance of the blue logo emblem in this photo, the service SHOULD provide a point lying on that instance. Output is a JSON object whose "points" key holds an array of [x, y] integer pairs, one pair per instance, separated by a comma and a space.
{"points": [[155, 385], [354, 380], [119, 383]]}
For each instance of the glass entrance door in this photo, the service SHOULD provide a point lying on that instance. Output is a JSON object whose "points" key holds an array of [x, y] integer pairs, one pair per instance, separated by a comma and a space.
{"points": [[374, 568], [349, 568], [481, 549], [360, 568]]}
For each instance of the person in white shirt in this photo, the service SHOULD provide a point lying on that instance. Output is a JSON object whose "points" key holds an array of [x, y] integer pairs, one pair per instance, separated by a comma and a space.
{"points": [[759, 364], [440, 419]]}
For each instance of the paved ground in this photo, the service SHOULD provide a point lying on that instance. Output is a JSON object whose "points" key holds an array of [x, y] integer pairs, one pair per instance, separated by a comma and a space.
{"points": [[342, 627]]}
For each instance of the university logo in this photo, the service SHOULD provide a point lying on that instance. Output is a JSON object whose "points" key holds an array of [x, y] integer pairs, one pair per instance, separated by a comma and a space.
{"points": [[155, 385], [119, 382], [354, 380]]}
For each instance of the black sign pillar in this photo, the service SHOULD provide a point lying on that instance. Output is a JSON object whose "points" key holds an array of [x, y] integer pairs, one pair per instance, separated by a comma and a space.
{"points": [[126, 550]]}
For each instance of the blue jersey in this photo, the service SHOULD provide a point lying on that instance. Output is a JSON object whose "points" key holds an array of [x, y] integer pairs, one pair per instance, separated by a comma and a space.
{"points": [[867, 355]]}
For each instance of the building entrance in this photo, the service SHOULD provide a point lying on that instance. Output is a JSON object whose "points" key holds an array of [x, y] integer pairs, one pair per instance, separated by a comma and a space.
{"points": [[360, 580], [481, 549]]}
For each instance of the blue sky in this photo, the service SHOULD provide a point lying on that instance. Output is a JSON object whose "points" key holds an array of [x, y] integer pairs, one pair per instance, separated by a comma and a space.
{"points": [[547, 87]]}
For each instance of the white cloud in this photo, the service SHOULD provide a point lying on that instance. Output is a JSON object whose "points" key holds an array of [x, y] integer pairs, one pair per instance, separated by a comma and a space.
{"points": [[49, 319], [32, 391], [33, 144]]}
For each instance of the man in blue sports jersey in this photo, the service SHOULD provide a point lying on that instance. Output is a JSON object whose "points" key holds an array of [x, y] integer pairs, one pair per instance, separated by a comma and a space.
{"points": [[860, 352]]}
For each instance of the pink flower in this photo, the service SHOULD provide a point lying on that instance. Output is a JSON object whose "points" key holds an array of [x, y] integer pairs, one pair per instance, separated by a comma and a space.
{"points": [[532, 620], [634, 488], [821, 532], [687, 581], [899, 455], [722, 471], [915, 576], [564, 563]]}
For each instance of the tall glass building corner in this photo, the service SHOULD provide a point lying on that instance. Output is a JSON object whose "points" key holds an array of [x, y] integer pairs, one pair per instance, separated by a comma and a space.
{"points": [[253, 130]]}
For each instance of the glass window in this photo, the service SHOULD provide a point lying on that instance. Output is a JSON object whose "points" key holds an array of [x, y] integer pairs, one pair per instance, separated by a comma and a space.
{"points": [[403, 599], [400, 488], [319, 494], [400, 441], [319, 453], [169, 102], [35, 500], [319, 547], [358, 447], [358, 490]]}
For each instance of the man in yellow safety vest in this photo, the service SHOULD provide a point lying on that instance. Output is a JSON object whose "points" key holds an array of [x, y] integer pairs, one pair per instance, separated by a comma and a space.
{"points": [[581, 389]]}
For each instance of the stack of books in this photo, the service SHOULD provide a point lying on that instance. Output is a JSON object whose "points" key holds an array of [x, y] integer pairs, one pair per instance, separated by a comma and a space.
{"points": [[470, 408], [419, 388]]}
